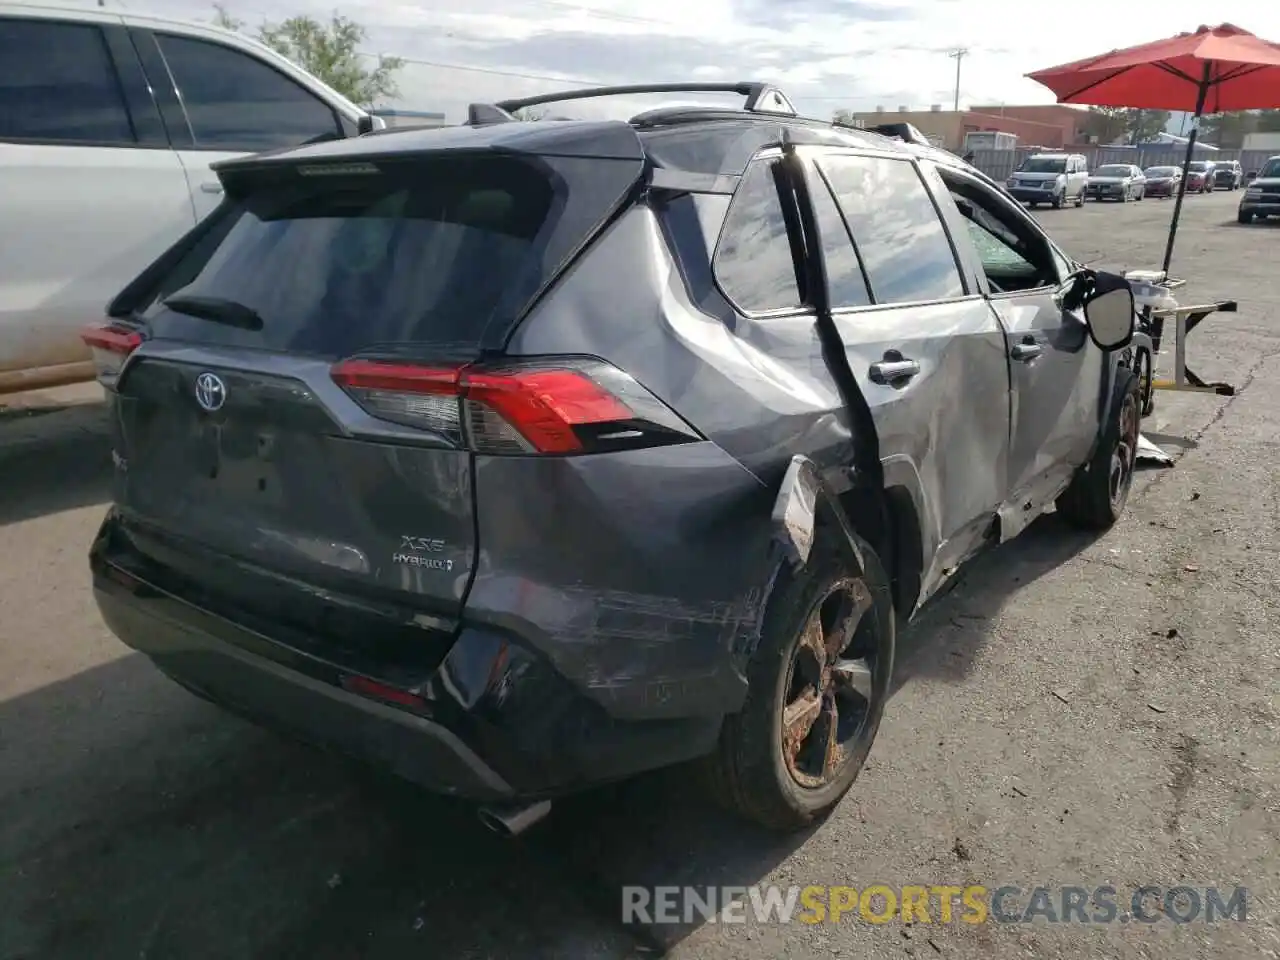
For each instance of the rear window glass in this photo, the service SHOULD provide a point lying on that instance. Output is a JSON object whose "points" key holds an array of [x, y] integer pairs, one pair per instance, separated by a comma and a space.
{"points": [[431, 252]]}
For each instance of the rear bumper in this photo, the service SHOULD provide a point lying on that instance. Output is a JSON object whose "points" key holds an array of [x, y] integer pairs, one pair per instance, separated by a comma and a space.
{"points": [[494, 721]]}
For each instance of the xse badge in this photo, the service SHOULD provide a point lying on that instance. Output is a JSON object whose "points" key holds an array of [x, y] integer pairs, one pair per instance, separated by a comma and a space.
{"points": [[417, 552]]}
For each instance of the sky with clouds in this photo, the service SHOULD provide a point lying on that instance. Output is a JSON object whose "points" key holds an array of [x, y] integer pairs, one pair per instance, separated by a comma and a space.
{"points": [[826, 54]]}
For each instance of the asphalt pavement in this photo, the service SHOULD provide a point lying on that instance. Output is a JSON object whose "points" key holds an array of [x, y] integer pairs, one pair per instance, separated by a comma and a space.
{"points": [[1077, 712]]}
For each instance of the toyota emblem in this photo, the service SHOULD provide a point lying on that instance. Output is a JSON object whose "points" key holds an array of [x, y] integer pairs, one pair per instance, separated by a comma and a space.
{"points": [[211, 392]]}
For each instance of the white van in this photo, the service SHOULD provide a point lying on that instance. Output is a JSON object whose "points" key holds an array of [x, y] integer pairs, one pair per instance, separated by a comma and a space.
{"points": [[108, 124]]}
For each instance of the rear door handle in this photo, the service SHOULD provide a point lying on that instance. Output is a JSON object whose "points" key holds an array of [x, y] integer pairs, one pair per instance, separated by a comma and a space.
{"points": [[211, 186], [894, 371], [1025, 352]]}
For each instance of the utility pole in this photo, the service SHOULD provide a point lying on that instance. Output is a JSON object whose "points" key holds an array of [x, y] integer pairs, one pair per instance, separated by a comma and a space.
{"points": [[958, 55]]}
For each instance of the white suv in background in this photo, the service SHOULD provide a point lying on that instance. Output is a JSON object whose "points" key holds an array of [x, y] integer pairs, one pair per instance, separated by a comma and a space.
{"points": [[108, 125], [1053, 178]]}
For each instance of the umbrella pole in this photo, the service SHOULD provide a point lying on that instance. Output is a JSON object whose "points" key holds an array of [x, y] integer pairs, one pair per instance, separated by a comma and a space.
{"points": [[1186, 162]]}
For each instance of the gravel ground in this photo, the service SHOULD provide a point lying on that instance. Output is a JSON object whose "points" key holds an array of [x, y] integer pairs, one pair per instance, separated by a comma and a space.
{"points": [[1077, 712]]}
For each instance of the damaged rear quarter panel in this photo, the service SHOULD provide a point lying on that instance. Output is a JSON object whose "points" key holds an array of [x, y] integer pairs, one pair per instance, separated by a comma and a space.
{"points": [[640, 575], [644, 576]]}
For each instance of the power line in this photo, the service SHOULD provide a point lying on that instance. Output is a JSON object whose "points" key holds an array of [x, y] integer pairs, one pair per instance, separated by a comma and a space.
{"points": [[491, 71]]}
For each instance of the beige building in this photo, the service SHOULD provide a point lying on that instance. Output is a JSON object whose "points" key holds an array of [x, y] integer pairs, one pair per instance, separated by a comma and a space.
{"points": [[1040, 125]]}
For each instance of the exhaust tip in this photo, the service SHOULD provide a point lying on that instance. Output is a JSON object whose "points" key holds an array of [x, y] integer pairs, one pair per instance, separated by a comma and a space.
{"points": [[510, 822]]}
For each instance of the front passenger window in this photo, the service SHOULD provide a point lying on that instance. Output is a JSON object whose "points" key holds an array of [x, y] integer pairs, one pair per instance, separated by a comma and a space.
{"points": [[1014, 257], [236, 102], [58, 85]]}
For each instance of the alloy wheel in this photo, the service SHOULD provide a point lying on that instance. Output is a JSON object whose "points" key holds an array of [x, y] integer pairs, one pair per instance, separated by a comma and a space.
{"points": [[829, 686], [1125, 454]]}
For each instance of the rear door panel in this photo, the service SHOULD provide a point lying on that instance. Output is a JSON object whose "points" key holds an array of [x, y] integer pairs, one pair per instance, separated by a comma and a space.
{"points": [[945, 428]]}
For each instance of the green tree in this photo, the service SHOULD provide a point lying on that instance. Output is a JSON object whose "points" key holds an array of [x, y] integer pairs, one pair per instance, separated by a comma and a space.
{"points": [[1144, 125], [1112, 124], [1228, 130], [1268, 121], [327, 51], [1106, 124]]}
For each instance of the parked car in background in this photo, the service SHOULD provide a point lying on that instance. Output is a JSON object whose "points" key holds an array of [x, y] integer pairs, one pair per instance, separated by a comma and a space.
{"points": [[1162, 181], [1117, 181], [109, 122], [1227, 174], [1053, 178], [1200, 176], [1261, 198], [525, 456]]}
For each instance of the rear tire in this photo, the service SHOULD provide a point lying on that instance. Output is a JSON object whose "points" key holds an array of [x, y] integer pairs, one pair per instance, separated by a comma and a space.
{"points": [[1100, 489], [783, 782], [1080, 200], [1244, 217]]}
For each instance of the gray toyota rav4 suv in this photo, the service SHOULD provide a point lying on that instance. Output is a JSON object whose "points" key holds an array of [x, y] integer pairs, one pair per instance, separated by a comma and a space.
{"points": [[520, 457]]}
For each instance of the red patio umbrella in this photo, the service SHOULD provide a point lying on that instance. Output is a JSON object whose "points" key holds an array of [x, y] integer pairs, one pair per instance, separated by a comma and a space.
{"points": [[1213, 70]]}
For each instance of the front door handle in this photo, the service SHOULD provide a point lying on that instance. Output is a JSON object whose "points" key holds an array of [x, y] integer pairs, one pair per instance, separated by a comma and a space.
{"points": [[894, 371], [211, 186], [1026, 351]]}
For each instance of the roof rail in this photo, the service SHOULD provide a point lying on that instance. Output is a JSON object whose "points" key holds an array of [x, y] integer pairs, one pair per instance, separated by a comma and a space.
{"points": [[906, 132], [761, 98]]}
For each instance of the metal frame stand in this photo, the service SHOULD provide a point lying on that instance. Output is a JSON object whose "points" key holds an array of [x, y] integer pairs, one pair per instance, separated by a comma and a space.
{"points": [[1185, 319]]}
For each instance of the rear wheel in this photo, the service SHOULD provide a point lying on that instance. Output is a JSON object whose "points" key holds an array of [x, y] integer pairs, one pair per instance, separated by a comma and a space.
{"points": [[1080, 198], [1100, 489], [817, 688], [1244, 217]]}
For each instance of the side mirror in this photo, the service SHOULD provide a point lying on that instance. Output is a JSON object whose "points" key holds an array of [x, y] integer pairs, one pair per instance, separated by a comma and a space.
{"points": [[364, 124], [1109, 311]]}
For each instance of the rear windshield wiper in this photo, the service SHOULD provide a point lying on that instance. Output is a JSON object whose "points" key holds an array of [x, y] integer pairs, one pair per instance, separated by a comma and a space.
{"points": [[215, 309]]}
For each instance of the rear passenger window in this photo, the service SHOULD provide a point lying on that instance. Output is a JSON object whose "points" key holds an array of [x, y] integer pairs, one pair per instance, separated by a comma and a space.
{"points": [[846, 285], [753, 259], [904, 248], [58, 85], [236, 102]]}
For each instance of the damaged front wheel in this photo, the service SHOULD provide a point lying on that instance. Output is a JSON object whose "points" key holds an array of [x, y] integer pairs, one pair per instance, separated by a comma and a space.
{"points": [[818, 686]]}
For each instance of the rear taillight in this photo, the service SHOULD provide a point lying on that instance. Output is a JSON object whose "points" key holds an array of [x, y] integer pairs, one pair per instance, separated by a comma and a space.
{"points": [[554, 407], [110, 345]]}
